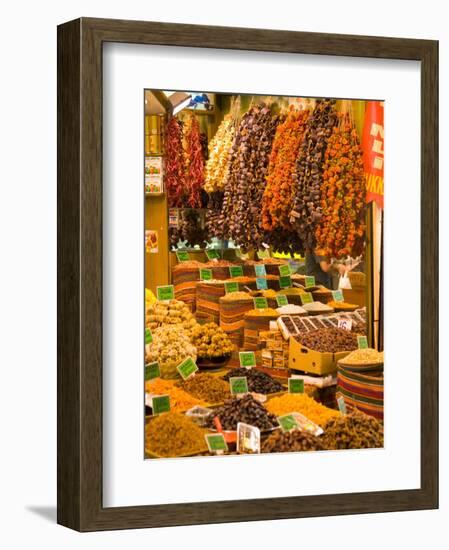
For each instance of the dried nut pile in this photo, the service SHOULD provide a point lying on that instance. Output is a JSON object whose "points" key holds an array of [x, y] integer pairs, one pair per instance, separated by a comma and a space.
{"points": [[180, 400], [301, 403], [240, 216], [211, 341], [206, 387], [330, 340], [170, 346], [293, 441], [173, 312], [306, 189], [245, 409], [353, 431], [258, 381], [368, 356], [173, 434], [235, 296]]}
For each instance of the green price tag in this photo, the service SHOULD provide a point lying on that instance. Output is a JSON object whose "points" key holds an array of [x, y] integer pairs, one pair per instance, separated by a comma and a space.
{"points": [[337, 295], [281, 300], [284, 270], [231, 287], [295, 385], [236, 271], [216, 443], [362, 342], [310, 280], [247, 359], [183, 256], [306, 298], [260, 270], [265, 253], [287, 422], [152, 370], [261, 283], [187, 368], [165, 292], [260, 303], [205, 274], [148, 336], [238, 385], [341, 404], [160, 404], [212, 254], [285, 281], [241, 255]]}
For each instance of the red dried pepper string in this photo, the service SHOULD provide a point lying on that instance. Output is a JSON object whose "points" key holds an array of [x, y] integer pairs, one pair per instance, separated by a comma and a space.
{"points": [[195, 163], [174, 164]]}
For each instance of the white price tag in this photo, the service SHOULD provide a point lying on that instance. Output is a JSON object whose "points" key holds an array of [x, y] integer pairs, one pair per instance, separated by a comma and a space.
{"points": [[345, 324]]}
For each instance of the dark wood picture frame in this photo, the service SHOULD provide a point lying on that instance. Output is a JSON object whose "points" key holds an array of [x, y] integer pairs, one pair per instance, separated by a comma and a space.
{"points": [[80, 273]]}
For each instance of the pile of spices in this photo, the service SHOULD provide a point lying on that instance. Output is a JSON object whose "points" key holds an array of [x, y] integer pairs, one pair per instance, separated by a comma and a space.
{"points": [[245, 409], [262, 312], [291, 309], [368, 356], [172, 434], [317, 307], [180, 400], [258, 381], [235, 296], [206, 387], [353, 431], [301, 403], [293, 441], [331, 340], [342, 306]]}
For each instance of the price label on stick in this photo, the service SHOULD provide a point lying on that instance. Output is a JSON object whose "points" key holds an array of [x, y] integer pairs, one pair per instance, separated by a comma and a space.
{"points": [[260, 270], [285, 281], [345, 324], [362, 342], [248, 439], [260, 303], [160, 404], [287, 422], [306, 298], [284, 270], [296, 385], [281, 300], [212, 254], [261, 283], [247, 359], [148, 336], [337, 295], [262, 254], [309, 281], [236, 271], [231, 287], [182, 256], [152, 370], [238, 385], [341, 404], [216, 443], [187, 368], [166, 292], [205, 274]]}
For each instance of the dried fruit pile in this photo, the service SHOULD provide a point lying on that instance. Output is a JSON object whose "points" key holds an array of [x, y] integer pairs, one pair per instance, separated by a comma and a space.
{"points": [[206, 387], [245, 409], [330, 340], [341, 230], [211, 341], [174, 164], [258, 381], [240, 218], [306, 209], [295, 440], [301, 403], [353, 431], [173, 434]]}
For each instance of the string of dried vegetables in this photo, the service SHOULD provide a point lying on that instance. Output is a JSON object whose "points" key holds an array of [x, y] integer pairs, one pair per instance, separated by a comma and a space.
{"points": [[341, 230], [306, 205], [174, 163], [217, 165], [240, 217], [194, 158]]}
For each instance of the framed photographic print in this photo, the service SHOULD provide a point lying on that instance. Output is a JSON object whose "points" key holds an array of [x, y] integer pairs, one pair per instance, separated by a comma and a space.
{"points": [[236, 208]]}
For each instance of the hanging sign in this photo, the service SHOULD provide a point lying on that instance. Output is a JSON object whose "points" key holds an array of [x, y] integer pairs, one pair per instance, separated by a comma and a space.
{"points": [[373, 151], [187, 368], [166, 292], [247, 359], [260, 270]]}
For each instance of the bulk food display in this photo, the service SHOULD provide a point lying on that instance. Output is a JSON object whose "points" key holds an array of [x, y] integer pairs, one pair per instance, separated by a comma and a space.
{"points": [[263, 319]]}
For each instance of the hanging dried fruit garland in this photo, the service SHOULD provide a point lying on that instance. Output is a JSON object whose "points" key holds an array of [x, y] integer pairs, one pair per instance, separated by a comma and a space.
{"points": [[240, 218], [219, 155], [341, 230], [306, 206], [194, 179], [174, 164]]}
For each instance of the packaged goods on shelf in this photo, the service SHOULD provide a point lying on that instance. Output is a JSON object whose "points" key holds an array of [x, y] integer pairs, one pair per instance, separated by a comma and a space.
{"points": [[233, 307], [257, 320]]}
